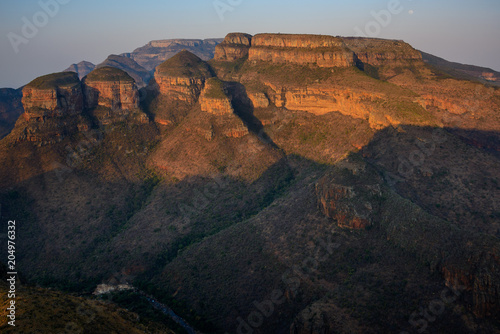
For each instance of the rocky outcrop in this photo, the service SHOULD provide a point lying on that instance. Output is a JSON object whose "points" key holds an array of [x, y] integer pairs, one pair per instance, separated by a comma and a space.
{"points": [[136, 71], [235, 46], [53, 105], [380, 52], [111, 94], [355, 196], [216, 102], [214, 98], [182, 77], [323, 51], [259, 99], [320, 100], [82, 68], [353, 206], [111, 88], [53, 95], [384, 59], [156, 52]]}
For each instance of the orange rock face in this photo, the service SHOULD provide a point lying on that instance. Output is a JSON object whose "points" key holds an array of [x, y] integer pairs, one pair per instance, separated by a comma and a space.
{"points": [[380, 52], [214, 98], [180, 88], [235, 46], [216, 106], [320, 100], [259, 99], [53, 105], [182, 77], [323, 51], [54, 102], [112, 94]]}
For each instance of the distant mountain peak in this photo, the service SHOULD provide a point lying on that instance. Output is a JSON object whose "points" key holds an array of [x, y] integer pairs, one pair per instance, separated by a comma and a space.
{"points": [[82, 68]]}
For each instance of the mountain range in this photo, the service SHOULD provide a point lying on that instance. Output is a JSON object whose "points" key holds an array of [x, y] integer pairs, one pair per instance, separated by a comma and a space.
{"points": [[275, 183]]}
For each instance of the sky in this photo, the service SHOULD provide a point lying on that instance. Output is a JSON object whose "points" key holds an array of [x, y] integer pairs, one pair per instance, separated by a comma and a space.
{"points": [[39, 37]]}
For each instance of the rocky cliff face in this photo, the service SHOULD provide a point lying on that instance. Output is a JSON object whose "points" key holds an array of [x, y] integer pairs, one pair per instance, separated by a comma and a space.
{"points": [[479, 279], [235, 46], [259, 99], [182, 77], [218, 117], [111, 88], [319, 100], [111, 93], [323, 51], [379, 52], [353, 205], [53, 105], [384, 58], [214, 99], [55, 95], [355, 197]]}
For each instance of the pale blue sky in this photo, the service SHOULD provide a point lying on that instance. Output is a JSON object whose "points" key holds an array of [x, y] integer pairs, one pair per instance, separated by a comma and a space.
{"points": [[458, 30]]}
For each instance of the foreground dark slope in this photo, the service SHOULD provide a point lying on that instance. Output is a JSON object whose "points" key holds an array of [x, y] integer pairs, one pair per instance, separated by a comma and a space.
{"points": [[288, 197]]}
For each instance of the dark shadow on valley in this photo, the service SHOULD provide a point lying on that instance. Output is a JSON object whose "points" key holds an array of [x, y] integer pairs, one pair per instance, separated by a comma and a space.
{"points": [[157, 232]]}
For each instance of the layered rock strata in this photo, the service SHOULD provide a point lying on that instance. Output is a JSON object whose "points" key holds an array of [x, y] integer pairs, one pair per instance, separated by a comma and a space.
{"points": [[182, 77]]}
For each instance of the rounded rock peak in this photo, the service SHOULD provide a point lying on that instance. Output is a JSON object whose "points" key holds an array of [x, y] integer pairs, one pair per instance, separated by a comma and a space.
{"points": [[186, 65], [238, 38], [54, 80], [108, 73]]}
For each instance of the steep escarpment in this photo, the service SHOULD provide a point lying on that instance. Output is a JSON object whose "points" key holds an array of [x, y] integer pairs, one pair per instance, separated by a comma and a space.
{"points": [[356, 197], [182, 77], [53, 105], [323, 51], [235, 46], [111, 93], [384, 58], [272, 196], [321, 85], [214, 99]]}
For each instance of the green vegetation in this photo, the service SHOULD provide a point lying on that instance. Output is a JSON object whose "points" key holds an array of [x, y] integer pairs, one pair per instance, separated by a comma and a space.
{"points": [[291, 73], [52, 81], [185, 64], [109, 74], [215, 89]]}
